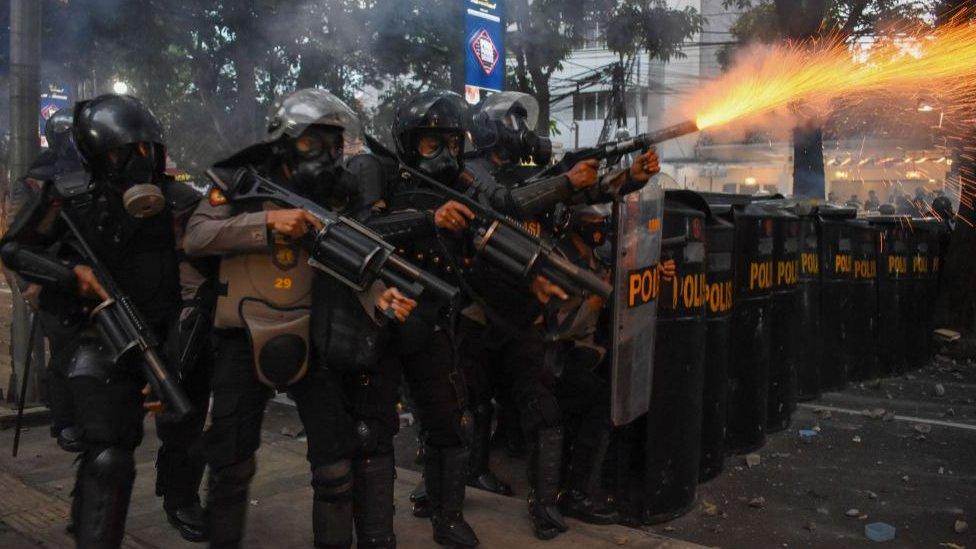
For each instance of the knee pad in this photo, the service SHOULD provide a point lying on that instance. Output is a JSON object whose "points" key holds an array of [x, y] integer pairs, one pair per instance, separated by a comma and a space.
{"points": [[113, 465], [543, 412], [333, 483]]}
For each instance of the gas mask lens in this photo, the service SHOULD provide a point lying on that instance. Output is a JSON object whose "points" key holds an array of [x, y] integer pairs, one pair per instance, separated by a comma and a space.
{"points": [[432, 145], [315, 143]]}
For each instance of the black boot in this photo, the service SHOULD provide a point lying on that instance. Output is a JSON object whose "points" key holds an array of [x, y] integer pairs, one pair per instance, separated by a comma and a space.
{"points": [[373, 502], [332, 506], [479, 474], [444, 475], [581, 498], [104, 485], [544, 467], [227, 503], [178, 478], [420, 501]]}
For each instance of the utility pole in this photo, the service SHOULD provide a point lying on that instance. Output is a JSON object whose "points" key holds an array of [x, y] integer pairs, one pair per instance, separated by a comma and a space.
{"points": [[25, 80]]}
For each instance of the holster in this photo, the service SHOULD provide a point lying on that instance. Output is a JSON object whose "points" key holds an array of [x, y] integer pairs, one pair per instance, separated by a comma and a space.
{"points": [[279, 338]]}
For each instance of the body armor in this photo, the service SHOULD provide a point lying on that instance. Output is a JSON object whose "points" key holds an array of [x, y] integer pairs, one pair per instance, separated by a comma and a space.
{"points": [[268, 294]]}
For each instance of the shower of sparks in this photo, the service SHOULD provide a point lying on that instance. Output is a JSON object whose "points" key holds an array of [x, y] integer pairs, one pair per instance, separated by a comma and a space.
{"points": [[779, 76]]}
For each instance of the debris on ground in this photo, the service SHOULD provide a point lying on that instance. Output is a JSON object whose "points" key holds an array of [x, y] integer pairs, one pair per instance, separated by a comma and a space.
{"points": [[753, 460], [709, 508], [620, 540], [288, 432], [874, 413], [758, 502], [923, 428], [824, 414], [853, 513], [872, 495], [889, 416], [823, 510], [904, 478], [807, 433], [939, 389], [856, 438], [879, 531], [961, 526]]}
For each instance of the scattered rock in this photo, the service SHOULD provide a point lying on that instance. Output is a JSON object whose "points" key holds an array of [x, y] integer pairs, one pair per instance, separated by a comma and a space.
{"points": [[753, 460], [669, 528], [254, 502], [950, 412], [939, 389], [961, 526], [287, 432], [811, 526], [709, 508], [941, 470], [816, 428], [852, 513], [874, 413], [921, 438], [923, 428], [904, 478], [620, 540], [872, 495], [823, 510], [824, 414], [856, 438], [757, 503]]}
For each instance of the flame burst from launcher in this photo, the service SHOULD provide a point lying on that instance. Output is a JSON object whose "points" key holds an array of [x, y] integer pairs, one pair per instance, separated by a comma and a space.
{"points": [[942, 60]]}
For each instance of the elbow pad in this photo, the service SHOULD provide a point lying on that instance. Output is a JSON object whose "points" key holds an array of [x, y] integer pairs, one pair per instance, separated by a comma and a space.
{"points": [[37, 267], [543, 196], [403, 226]]}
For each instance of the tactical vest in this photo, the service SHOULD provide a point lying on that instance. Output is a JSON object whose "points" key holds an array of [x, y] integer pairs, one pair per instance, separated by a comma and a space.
{"points": [[268, 294]]}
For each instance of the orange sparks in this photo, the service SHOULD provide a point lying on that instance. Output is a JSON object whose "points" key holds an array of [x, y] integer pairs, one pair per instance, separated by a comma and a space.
{"points": [[778, 76]]}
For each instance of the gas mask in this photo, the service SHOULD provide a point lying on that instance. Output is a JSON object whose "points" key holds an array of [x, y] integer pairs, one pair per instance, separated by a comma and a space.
{"points": [[593, 234], [517, 143], [440, 155], [314, 156], [132, 171]]}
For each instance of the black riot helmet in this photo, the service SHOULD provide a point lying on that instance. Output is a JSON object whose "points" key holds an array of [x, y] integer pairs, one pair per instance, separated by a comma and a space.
{"points": [[308, 130], [121, 143], [429, 134], [505, 124], [57, 129]]}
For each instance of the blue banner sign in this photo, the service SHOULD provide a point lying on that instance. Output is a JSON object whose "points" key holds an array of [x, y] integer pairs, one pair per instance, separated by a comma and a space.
{"points": [[484, 46]]}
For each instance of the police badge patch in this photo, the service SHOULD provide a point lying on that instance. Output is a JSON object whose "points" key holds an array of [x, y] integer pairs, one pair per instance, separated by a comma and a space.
{"points": [[285, 255]]}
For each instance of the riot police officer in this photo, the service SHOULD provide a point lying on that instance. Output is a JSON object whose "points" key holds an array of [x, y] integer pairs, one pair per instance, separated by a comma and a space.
{"points": [[269, 297], [129, 209], [502, 129]]}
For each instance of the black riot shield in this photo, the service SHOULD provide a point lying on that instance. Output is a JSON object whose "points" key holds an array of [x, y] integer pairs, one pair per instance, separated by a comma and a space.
{"points": [[863, 314], [719, 235], [809, 347], [673, 443], [637, 251], [924, 247], [751, 336], [893, 292], [837, 268], [782, 315]]}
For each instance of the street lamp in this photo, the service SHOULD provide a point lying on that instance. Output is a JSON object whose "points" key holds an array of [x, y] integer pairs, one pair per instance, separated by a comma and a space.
{"points": [[120, 87]]}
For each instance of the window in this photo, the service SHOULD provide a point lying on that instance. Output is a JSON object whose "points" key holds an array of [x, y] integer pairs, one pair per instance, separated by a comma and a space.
{"points": [[595, 105]]}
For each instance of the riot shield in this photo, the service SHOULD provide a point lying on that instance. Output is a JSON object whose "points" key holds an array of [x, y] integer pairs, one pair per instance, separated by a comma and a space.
{"points": [[637, 251]]}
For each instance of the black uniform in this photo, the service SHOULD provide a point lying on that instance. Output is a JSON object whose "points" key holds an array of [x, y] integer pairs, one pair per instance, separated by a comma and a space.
{"points": [[97, 405]]}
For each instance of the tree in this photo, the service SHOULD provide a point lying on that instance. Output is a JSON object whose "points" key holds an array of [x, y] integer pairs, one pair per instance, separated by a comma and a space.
{"points": [[543, 33]]}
